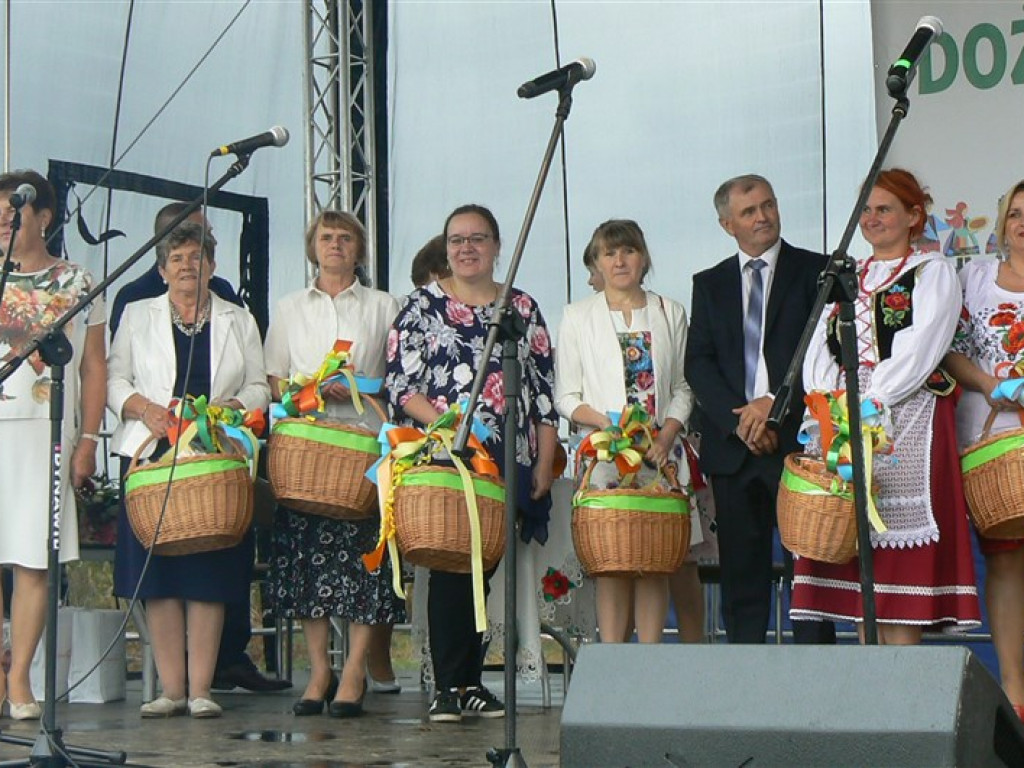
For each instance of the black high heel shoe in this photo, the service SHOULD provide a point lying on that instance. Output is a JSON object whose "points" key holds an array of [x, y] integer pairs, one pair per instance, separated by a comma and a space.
{"points": [[306, 707], [345, 709]]}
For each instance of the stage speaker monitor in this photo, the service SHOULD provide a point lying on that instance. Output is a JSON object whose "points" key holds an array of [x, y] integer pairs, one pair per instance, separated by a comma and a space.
{"points": [[755, 706]]}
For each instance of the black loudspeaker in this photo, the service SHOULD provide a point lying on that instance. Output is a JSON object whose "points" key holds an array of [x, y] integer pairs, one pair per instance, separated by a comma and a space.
{"points": [[670, 706]]}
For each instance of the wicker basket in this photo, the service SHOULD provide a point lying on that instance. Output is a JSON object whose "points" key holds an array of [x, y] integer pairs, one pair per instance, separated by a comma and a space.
{"points": [[209, 506], [630, 532], [994, 483], [319, 467], [813, 521], [432, 522]]}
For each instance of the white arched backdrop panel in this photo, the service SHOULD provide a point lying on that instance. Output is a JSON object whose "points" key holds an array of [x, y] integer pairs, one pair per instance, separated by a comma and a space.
{"points": [[66, 59], [685, 96]]}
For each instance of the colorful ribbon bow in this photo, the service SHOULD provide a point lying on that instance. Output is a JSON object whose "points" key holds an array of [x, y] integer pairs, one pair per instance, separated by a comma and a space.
{"points": [[215, 425], [625, 444], [301, 394], [407, 447], [829, 410]]}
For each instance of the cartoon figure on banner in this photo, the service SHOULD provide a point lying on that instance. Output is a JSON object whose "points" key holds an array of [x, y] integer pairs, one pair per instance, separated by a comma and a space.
{"points": [[931, 240], [962, 244]]}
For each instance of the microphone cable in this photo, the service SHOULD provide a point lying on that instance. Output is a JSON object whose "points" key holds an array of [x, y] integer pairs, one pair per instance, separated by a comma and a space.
{"points": [[824, 130], [160, 110], [115, 161], [564, 165]]}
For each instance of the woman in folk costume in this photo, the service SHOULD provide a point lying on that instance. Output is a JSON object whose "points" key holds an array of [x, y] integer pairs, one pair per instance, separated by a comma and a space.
{"points": [[906, 312], [987, 350]]}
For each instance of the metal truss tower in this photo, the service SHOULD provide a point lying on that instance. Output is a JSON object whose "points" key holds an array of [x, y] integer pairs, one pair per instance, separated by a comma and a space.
{"points": [[338, 101]]}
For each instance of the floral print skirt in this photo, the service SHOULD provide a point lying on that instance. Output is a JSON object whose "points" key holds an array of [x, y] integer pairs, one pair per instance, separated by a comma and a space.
{"points": [[317, 570]]}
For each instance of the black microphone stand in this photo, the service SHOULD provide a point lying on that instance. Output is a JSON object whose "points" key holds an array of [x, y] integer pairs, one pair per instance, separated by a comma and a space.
{"points": [[508, 325], [48, 748], [9, 264], [838, 284]]}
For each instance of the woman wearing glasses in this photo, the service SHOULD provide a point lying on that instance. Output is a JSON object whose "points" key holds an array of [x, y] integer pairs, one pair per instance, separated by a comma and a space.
{"points": [[434, 350]]}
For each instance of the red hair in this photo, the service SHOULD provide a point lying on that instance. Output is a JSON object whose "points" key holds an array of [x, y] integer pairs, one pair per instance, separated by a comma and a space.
{"points": [[907, 189]]}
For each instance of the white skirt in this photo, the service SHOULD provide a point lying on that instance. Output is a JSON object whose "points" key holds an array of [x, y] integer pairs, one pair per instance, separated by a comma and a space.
{"points": [[25, 498]]}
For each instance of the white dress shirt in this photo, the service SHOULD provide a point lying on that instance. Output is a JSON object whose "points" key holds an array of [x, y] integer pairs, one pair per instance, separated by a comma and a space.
{"points": [[306, 324]]}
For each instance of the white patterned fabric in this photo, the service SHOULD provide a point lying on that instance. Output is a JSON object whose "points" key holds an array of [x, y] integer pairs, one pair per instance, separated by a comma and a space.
{"points": [[991, 335]]}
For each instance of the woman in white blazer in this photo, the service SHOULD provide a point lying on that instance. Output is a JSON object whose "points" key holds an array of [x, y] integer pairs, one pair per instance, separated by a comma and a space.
{"points": [[147, 366], [619, 347]]}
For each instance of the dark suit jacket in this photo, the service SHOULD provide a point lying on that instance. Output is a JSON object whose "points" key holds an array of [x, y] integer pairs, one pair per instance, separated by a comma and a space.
{"points": [[714, 352]]}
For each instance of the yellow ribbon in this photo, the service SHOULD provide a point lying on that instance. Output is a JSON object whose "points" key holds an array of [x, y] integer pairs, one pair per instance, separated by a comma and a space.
{"points": [[409, 448]]}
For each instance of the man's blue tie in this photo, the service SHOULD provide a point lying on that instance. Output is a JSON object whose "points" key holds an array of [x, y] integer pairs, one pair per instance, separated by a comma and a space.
{"points": [[752, 325]]}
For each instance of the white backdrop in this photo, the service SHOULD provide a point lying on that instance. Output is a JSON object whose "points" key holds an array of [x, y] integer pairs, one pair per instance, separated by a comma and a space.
{"points": [[66, 56], [685, 96]]}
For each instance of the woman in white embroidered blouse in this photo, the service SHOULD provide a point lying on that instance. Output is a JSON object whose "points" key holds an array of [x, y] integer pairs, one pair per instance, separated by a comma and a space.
{"points": [[619, 347], [906, 312], [989, 348]]}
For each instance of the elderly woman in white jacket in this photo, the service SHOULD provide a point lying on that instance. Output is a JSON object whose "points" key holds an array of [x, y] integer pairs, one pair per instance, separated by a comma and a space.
{"points": [[616, 348], [147, 366]]}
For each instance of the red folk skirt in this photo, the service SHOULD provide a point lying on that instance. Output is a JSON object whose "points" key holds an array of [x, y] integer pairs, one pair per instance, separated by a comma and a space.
{"points": [[932, 586]]}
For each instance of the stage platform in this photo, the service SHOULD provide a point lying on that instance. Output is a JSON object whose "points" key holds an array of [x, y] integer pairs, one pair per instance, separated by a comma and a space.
{"points": [[260, 730]]}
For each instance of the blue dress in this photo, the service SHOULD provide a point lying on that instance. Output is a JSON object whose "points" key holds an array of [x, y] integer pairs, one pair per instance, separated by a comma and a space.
{"points": [[221, 576]]}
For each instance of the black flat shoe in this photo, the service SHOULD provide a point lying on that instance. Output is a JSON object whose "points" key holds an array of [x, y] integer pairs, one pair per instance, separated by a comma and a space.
{"points": [[307, 707]]}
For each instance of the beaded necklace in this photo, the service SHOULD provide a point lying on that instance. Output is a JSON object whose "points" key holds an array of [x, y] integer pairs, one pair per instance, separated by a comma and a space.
{"points": [[893, 274], [190, 329]]}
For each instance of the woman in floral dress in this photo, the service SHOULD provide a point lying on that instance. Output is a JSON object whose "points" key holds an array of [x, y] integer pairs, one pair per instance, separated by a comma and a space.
{"points": [[40, 290], [988, 349], [621, 347], [906, 313], [434, 350]]}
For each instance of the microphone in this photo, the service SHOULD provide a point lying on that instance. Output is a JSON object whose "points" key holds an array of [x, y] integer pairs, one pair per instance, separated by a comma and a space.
{"points": [[901, 74], [275, 137], [564, 77], [24, 195]]}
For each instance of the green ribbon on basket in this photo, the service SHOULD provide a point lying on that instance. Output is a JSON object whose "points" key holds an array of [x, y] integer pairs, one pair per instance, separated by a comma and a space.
{"points": [[309, 430], [159, 474], [797, 484], [670, 504], [990, 452], [445, 480]]}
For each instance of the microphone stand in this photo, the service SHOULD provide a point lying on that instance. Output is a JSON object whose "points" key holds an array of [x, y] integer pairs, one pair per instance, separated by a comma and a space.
{"points": [[48, 748], [508, 325], [9, 264], [838, 284]]}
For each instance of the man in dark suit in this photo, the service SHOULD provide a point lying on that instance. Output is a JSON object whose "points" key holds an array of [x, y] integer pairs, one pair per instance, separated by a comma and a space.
{"points": [[234, 667], [748, 314]]}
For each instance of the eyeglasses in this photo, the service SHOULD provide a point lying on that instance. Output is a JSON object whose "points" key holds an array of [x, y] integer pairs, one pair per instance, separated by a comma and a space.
{"points": [[457, 241]]}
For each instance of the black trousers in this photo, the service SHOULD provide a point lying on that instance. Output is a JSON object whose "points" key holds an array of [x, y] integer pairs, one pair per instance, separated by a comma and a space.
{"points": [[745, 516], [456, 648]]}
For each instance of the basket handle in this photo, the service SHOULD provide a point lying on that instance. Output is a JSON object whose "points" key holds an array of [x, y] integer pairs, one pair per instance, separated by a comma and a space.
{"points": [[238, 450], [376, 407], [990, 420], [667, 472], [138, 451]]}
